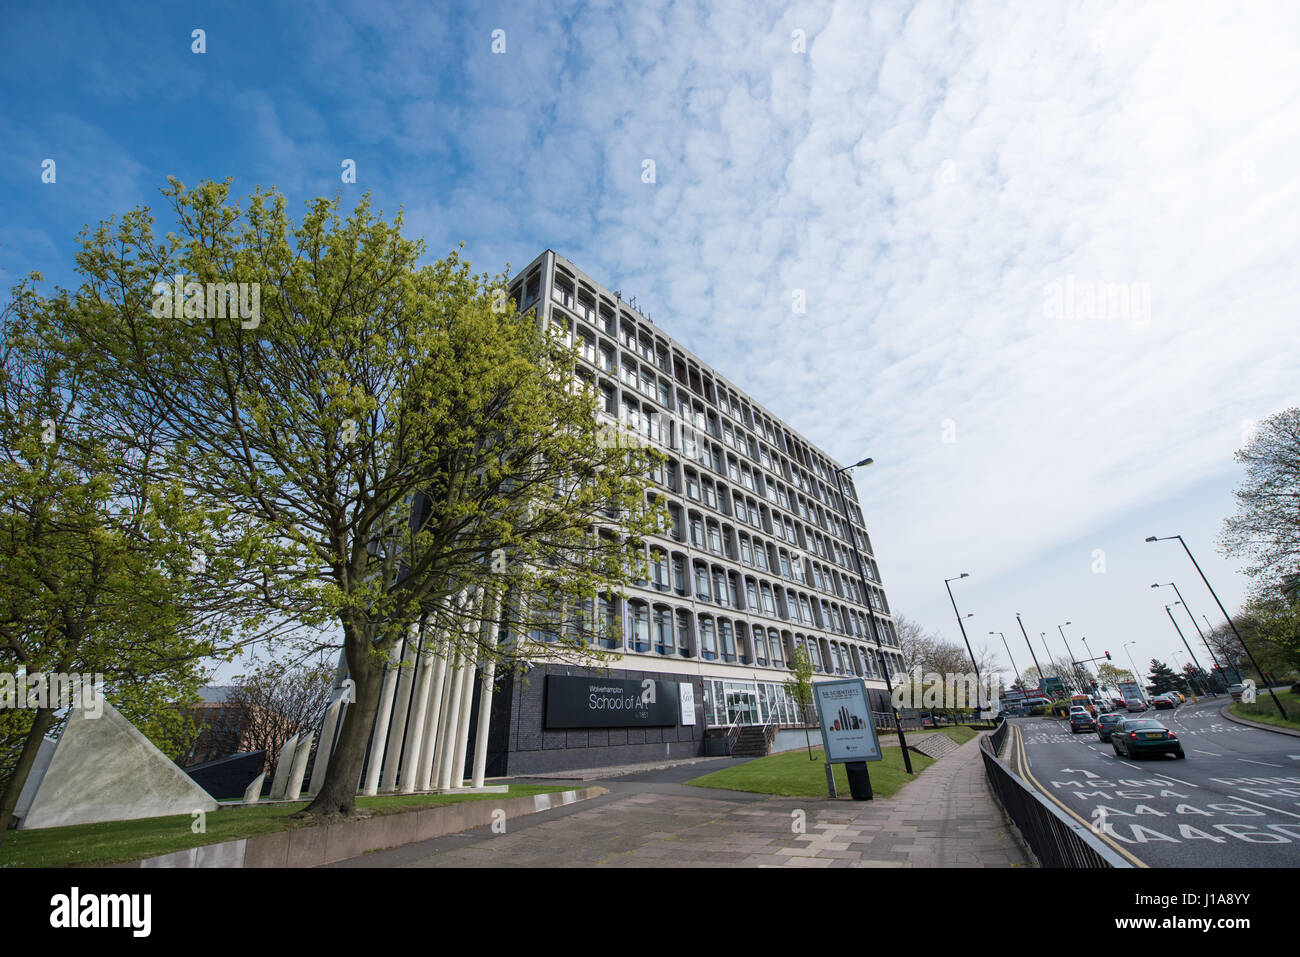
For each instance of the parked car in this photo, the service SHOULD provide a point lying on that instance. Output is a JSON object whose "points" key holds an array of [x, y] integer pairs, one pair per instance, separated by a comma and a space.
{"points": [[1135, 737], [1107, 723], [1081, 720]]}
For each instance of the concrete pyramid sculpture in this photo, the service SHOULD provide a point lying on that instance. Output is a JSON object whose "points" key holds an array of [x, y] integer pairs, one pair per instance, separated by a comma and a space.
{"points": [[104, 769]]}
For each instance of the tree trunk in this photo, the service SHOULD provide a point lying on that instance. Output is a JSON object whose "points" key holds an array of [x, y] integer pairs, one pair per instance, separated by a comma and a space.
{"points": [[338, 795], [40, 724]]}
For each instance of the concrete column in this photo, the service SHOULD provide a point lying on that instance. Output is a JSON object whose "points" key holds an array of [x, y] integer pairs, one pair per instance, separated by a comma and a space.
{"points": [[300, 758], [420, 706], [451, 724], [462, 729], [325, 746], [487, 676], [433, 718], [397, 730], [379, 739], [283, 766]]}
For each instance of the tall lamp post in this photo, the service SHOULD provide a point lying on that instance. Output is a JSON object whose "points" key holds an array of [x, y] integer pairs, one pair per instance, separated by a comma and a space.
{"points": [[1137, 677], [1195, 623], [871, 612], [1042, 636], [1074, 675], [1169, 612], [1272, 694], [1037, 666], [962, 625], [1084, 639], [1013, 666]]}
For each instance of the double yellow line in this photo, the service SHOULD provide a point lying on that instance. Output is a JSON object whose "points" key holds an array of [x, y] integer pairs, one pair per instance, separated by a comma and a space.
{"points": [[1022, 768]]}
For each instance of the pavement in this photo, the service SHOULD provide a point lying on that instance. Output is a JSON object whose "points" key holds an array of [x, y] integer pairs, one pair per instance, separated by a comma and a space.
{"points": [[947, 817]]}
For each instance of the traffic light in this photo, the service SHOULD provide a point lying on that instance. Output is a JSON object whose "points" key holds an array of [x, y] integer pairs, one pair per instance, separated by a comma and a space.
{"points": [[1108, 656]]}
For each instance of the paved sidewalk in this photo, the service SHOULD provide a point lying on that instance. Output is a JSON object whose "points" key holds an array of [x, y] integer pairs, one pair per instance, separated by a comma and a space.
{"points": [[947, 817]]}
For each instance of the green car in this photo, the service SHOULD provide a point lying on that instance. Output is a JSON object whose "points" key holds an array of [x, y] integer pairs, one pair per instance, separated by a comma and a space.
{"points": [[1138, 736]]}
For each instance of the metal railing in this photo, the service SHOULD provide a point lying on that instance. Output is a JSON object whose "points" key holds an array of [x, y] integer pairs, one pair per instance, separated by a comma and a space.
{"points": [[1054, 838]]}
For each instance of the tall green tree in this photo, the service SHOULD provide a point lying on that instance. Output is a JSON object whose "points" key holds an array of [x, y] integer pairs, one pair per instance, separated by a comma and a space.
{"points": [[1266, 528], [390, 436], [799, 687], [1162, 678], [98, 570]]}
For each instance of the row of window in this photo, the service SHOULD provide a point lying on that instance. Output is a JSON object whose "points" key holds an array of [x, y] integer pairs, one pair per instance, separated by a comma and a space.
{"points": [[811, 472], [657, 628]]}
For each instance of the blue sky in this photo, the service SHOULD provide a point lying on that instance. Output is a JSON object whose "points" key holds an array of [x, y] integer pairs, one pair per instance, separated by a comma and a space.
{"points": [[930, 176]]}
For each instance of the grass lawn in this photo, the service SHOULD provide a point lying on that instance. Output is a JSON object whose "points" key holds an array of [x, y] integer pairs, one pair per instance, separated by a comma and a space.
{"points": [[1265, 711], [115, 842], [791, 774]]}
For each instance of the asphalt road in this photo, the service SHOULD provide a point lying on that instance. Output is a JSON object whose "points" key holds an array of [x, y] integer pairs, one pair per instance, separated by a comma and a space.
{"points": [[1234, 801]]}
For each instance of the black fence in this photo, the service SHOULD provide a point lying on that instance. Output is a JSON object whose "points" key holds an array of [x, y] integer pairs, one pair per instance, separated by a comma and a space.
{"points": [[1054, 838]]}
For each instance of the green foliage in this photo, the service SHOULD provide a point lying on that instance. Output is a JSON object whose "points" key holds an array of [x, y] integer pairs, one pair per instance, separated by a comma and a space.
{"points": [[388, 442]]}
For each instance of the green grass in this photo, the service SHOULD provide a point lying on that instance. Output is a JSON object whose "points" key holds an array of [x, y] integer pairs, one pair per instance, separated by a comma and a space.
{"points": [[1265, 711], [115, 842], [791, 774]]}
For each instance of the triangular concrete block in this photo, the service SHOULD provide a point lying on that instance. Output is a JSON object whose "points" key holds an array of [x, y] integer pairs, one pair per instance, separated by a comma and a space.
{"points": [[104, 769]]}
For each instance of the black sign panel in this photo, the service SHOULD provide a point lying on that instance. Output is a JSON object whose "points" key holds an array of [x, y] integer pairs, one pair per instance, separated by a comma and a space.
{"points": [[594, 702]]}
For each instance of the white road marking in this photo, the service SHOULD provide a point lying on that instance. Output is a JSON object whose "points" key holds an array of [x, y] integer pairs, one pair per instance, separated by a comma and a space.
{"points": [[1265, 806], [1133, 766], [1179, 780], [1265, 763], [1214, 753]]}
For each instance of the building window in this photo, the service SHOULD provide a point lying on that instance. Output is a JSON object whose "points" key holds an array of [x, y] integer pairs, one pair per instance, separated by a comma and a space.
{"points": [[727, 640], [665, 642], [679, 575], [684, 634], [701, 582], [708, 644], [659, 568], [638, 616]]}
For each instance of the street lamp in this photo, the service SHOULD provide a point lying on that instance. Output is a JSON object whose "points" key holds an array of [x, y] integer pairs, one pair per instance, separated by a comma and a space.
{"points": [[1013, 660], [1074, 677], [1042, 636], [1272, 694], [1037, 666], [1180, 634], [1137, 678], [962, 626], [1204, 641], [871, 612]]}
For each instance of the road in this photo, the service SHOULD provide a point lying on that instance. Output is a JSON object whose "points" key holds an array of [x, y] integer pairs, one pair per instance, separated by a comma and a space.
{"points": [[1233, 802]]}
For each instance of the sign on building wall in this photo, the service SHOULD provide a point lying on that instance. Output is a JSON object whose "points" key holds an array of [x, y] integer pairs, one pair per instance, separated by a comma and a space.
{"points": [[687, 692], [847, 728], [595, 702]]}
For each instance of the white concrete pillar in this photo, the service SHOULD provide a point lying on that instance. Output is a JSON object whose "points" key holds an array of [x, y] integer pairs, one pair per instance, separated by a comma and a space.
{"points": [[325, 747], [419, 707], [397, 730], [300, 758], [451, 725], [433, 719], [379, 739], [283, 765], [487, 676], [462, 730]]}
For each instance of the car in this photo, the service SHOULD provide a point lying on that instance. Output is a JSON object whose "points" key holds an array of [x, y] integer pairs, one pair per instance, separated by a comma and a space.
{"points": [[1107, 723], [1081, 721], [1134, 737], [1135, 704], [1163, 701], [1119, 704], [1236, 691]]}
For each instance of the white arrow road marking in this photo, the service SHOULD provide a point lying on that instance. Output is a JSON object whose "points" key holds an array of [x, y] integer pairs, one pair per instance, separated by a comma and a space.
{"points": [[1079, 771], [1265, 806], [1265, 763]]}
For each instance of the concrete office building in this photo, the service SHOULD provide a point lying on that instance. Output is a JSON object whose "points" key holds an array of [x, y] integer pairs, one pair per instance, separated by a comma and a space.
{"points": [[756, 563]]}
